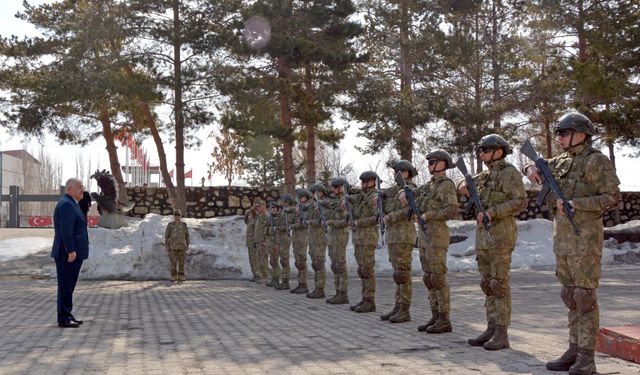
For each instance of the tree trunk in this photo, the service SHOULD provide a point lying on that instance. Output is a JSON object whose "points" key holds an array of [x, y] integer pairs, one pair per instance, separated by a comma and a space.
{"points": [[285, 122], [547, 137], [162, 156], [612, 155], [495, 69], [405, 120], [123, 198], [310, 126], [181, 200], [477, 87]]}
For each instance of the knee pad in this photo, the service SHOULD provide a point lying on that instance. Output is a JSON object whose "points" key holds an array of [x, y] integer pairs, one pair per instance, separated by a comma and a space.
{"points": [[301, 264], [317, 265], [566, 293], [438, 280], [284, 262], [499, 288], [368, 272], [401, 276], [426, 279], [273, 262], [485, 285], [341, 268], [586, 299]]}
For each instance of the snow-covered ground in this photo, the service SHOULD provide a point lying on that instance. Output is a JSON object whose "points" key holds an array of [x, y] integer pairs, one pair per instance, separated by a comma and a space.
{"points": [[218, 249]]}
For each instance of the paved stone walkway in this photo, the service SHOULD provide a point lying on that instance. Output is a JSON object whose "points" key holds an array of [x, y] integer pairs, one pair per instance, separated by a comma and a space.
{"points": [[238, 327]]}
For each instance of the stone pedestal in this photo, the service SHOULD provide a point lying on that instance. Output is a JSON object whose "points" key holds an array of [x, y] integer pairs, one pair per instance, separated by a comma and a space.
{"points": [[112, 221]]}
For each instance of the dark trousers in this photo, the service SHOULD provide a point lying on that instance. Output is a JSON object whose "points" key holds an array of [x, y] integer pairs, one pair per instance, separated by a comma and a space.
{"points": [[67, 278]]}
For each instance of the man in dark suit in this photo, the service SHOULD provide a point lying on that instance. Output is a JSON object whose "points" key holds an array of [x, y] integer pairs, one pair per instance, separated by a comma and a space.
{"points": [[70, 248]]}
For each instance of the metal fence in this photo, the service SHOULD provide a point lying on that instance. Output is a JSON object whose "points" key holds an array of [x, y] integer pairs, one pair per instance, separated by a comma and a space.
{"points": [[15, 198]]}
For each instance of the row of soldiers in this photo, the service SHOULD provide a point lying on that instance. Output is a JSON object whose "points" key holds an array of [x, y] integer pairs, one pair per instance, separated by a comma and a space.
{"points": [[318, 219]]}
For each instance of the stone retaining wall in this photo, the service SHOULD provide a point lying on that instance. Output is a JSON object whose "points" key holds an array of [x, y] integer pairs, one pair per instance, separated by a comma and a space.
{"points": [[206, 202]]}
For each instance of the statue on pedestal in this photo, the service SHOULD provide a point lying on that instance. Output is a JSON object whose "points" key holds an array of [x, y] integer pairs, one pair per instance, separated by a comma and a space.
{"points": [[110, 208]]}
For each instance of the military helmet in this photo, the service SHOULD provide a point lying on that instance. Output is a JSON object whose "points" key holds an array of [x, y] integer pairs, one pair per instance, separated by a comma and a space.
{"points": [[272, 203], [339, 181], [318, 187], [301, 192], [369, 175], [441, 155], [287, 198], [177, 212], [577, 122], [258, 202], [405, 165], [495, 141]]}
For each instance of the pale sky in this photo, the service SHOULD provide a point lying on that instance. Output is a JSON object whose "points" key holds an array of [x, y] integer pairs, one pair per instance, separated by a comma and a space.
{"points": [[198, 159]]}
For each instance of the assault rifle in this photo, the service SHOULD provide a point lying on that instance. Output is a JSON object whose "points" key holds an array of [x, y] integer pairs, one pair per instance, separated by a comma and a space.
{"points": [[286, 221], [549, 183], [300, 212], [380, 205], [345, 192], [322, 220], [270, 216], [474, 198], [413, 207]]}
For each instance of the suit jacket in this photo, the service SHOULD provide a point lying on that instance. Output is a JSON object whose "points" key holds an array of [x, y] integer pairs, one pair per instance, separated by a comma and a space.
{"points": [[70, 228]]}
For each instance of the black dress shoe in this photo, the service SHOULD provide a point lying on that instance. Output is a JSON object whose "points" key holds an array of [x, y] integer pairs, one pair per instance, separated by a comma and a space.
{"points": [[78, 322], [68, 324]]}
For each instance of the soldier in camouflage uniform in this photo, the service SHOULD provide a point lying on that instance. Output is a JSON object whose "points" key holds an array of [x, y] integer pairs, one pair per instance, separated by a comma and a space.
{"points": [[176, 239], [588, 180], [250, 220], [438, 201], [283, 221], [272, 246], [317, 243], [502, 195], [400, 236], [261, 238], [299, 238], [365, 239], [338, 237]]}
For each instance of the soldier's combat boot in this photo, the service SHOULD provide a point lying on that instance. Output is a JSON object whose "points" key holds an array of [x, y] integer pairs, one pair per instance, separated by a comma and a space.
{"points": [[484, 336], [284, 285], [402, 315], [442, 325], [272, 283], [354, 307], [366, 306], [432, 321], [340, 298], [331, 299], [585, 363], [316, 294], [500, 339], [390, 313], [300, 289], [565, 361]]}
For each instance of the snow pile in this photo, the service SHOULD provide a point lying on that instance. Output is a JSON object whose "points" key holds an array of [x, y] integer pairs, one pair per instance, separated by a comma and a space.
{"points": [[218, 249]]}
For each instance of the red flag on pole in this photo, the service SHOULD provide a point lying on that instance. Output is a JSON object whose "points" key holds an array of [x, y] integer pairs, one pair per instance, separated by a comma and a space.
{"points": [[171, 174], [189, 174]]}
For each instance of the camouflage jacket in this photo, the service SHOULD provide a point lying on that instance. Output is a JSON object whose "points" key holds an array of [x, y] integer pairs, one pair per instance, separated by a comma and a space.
{"points": [[399, 229], [315, 231], [280, 225], [250, 220], [298, 230], [438, 202], [262, 228], [587, 178], [503, 196], [365, 213], [335, 215], [176, 237]]}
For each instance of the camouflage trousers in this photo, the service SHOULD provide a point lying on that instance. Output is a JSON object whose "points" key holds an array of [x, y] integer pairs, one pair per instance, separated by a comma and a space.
{"points": [[253, 259], [318, 255], [366, 259], [494, 265], [434, 267], [338, 254], [176, 260], [284, 255], [262, 262], [584, 318], [400, 255], [300, 256], [274, 262]]}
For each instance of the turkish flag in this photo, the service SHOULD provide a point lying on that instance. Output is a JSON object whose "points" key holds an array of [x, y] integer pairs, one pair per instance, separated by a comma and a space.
{"points": [[40, 221], [171, 174], [189, 174]]}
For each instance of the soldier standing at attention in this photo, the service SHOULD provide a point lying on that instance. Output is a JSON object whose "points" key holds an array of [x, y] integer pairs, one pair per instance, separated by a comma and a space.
{"points": [[299, 239], [176, 239], [338, 237], [588, 180], [261, 240], [272, 245], [438, 202], [250, 220], [502, 195], [317, 243], [400, 236], [365, 240], [283, 238]]}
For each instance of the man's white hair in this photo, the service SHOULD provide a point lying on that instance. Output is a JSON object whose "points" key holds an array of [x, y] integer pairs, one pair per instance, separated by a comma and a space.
{"points": [[72, 182]]}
